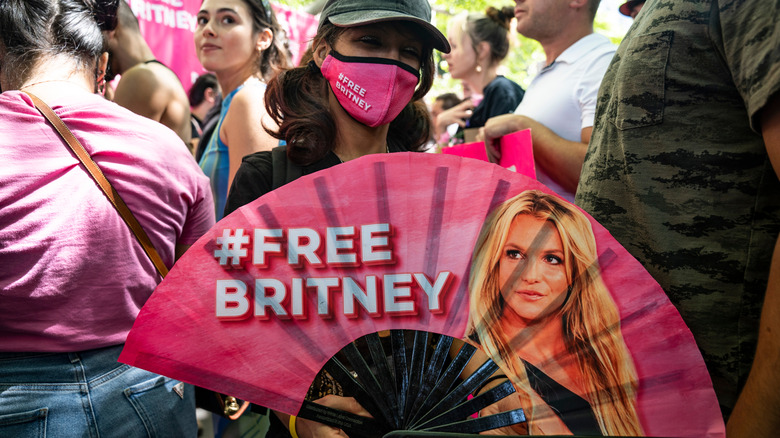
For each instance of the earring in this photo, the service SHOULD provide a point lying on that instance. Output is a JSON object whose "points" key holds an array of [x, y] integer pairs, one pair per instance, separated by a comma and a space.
{"points": [[479, 68], [101, 83]]}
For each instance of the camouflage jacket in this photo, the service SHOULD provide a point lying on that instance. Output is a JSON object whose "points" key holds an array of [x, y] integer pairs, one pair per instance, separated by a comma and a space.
{"points": [[678, 172]]}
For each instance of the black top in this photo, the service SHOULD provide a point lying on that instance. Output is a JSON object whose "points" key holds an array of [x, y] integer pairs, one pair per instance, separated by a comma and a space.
{"points": [[501, 96], [154, 61], [254, 177], [575, 412]]}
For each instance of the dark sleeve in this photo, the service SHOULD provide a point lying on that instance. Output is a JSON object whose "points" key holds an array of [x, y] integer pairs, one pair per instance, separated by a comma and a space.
{"points": [[751, 51], [575, 412], [253, 180], [502, 96]]}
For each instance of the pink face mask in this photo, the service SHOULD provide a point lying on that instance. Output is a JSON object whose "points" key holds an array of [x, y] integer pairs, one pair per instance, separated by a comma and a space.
{"points": [[371, 90]]}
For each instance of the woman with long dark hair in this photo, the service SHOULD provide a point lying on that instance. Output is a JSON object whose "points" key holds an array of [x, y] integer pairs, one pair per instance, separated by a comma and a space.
{"points": [[361, 94], [236, 39]]}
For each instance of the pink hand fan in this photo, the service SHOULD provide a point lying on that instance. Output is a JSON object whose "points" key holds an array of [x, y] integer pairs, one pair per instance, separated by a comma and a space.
{"points": [[373, 267]]}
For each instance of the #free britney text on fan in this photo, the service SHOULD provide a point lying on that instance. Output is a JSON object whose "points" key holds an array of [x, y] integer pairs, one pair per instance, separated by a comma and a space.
{"points": [[347, 248]]}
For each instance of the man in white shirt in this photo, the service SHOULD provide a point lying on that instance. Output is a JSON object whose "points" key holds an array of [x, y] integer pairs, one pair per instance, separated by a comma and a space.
{"points": [[559, 105]]}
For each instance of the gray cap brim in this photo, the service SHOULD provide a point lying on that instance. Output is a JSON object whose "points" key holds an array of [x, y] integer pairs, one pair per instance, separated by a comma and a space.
{"points": [[359, 18]]}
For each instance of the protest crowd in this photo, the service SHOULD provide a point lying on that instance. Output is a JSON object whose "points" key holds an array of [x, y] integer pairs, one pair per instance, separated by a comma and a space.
{"points": [[670, 140]]}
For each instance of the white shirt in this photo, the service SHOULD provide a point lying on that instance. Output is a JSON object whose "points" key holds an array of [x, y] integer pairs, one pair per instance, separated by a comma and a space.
{"points": [[563, 95]]}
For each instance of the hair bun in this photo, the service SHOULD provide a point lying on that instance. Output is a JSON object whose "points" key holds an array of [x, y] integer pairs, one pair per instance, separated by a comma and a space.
{"points": [[501, 16]]}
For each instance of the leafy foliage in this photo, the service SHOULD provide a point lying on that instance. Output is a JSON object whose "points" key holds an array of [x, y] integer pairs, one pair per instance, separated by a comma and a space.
{"points": [[525, 54]]}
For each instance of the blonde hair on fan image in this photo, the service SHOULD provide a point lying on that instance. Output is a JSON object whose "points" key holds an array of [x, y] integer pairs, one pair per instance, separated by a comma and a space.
{"points": [[591, 322]]}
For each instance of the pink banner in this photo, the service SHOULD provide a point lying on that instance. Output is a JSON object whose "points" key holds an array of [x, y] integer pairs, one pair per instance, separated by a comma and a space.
{"points": [[300, 27], [168, 27], [517, 152], [261, 302]]}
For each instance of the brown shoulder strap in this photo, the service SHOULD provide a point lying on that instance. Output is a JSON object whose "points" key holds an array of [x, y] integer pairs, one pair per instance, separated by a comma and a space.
{"points": [[101, 181]]}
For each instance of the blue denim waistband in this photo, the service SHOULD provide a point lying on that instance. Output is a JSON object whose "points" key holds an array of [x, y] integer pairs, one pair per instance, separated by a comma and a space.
{"points": [[19, 367]]}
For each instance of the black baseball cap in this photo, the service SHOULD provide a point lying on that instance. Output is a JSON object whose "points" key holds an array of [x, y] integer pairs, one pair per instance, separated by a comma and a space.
{"points": [[351, 13]]}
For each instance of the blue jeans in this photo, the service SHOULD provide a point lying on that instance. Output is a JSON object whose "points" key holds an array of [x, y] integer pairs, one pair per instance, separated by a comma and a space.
{"points": [[90, 394]]}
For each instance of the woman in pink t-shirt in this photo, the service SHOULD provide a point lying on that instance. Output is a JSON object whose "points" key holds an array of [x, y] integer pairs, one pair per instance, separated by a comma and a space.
{"points": [[73, 276]]}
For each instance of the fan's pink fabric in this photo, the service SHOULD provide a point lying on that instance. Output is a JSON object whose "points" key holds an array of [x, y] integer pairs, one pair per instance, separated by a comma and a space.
{"points": [[436, 205]]}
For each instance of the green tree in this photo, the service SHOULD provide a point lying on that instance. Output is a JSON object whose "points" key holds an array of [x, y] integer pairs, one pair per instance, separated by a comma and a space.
{"points": [[519, 65]]}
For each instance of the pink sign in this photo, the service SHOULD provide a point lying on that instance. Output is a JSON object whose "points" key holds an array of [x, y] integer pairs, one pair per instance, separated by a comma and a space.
{"points": [[300, 27], [517, 152], [398, 241], [168, 27]]}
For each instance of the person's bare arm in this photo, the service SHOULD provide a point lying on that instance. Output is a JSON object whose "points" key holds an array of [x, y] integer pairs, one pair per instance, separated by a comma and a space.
{"points": [[757, 412], [139, 91], [457, 114], [153, 95], [561, 159], [177, 116], [243, 130]]}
